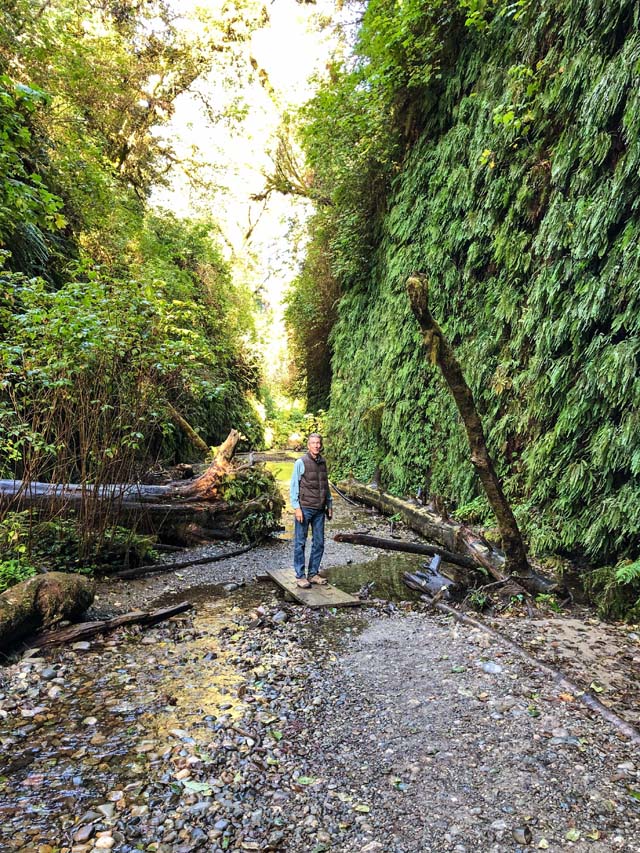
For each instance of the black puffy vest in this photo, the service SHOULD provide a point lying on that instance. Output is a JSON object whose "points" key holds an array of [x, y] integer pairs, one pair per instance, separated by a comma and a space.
{"points": [[314, 483]]}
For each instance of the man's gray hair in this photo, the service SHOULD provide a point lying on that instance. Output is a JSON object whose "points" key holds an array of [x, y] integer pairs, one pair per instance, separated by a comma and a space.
{"points": [[314, 435]]}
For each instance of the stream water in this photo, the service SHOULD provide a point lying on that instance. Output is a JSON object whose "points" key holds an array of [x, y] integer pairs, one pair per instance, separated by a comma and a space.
{"points": [[383, 575], [101, 728]]}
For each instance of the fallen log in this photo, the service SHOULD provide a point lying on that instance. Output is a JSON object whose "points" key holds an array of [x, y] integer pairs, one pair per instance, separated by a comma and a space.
{"points": [[41, 602], [84, 630], [452, 535], [179, 513], [406, 547], [139, 571], [441, 353]]}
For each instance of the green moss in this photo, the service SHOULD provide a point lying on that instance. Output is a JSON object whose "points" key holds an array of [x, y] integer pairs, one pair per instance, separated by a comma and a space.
{"points": [[512, 179]]}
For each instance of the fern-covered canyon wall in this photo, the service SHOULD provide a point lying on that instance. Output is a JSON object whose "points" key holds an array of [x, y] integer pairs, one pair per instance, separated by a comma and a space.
{"points": [[495, 147]]}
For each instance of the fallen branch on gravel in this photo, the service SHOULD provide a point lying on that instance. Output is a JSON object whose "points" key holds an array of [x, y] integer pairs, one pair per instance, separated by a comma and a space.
{"points": [[139, 571], [406, 547], [92, 629], [557, 677]]}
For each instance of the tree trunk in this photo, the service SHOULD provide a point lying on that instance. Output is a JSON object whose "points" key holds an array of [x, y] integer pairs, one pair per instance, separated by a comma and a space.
{"points": [[181, 512], [207, 485], [442, 354]]}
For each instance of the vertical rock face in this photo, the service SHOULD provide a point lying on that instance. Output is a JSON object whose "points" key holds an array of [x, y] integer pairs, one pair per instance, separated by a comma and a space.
{"points": [[41, 602]]}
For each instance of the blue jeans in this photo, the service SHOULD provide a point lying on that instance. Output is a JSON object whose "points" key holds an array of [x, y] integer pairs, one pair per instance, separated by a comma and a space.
{"points": [[315, 518]]}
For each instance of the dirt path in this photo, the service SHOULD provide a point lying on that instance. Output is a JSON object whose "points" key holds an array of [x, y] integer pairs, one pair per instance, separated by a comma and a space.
{"points": [[252, 724]]}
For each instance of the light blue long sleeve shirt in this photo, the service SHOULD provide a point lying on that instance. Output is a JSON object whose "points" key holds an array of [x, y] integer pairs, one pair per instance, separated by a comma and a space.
{"points": [[294, 489]]}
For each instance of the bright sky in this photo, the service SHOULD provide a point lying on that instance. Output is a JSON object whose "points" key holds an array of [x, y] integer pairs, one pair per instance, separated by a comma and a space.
{"points": [[290, 49]]}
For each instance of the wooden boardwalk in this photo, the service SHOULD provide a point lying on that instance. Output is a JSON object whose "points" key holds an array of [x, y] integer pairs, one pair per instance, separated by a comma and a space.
{"points": [[316, 596]]}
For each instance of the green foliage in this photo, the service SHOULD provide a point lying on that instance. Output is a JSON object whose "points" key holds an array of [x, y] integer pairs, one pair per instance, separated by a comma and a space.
{"points": [[476, 511], [478, 600], [509, 174], [87, 371], [288, 424], [549, 601], [60, 544], [24, 199], [111, 316], [14, 571], [257, 491], [311, 311], [616, 590]]}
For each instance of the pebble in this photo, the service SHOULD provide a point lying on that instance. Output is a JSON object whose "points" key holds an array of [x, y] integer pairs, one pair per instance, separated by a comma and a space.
{"points": [[377, 722], [106, 809], [84, 833]]}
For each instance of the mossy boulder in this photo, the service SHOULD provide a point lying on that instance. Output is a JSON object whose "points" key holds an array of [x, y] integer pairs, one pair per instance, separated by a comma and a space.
{"points": [[41, 602]]}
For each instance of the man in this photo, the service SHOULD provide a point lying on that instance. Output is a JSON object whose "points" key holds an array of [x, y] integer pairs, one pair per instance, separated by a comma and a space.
{"points": [[310, 499]]}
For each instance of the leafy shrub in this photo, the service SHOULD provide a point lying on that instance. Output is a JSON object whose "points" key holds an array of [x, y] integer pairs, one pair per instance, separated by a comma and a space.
{"points": [[259, 485], [289, 426], [14, 571], [60, 545], [615, 590]]}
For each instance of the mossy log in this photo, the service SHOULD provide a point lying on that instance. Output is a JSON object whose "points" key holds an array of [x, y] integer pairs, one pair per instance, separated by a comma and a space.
{"points": [[449, 534], [41, 602], [181, 512], [441, 353]]}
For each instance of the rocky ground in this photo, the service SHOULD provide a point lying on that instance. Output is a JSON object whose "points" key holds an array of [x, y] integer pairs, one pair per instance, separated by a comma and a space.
{"points": [[253, 724]]}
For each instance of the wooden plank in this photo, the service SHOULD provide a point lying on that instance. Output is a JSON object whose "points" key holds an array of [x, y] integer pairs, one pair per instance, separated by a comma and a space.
{"points": [[316, 596]]}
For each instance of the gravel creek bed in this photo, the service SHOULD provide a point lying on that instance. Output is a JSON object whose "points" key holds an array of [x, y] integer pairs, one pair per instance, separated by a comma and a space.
{"points": [[249, 723], [267, 726]]}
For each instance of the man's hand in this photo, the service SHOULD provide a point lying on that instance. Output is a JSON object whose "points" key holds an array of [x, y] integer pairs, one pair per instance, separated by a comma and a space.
{"points": [[298, 515], [329, 513]]}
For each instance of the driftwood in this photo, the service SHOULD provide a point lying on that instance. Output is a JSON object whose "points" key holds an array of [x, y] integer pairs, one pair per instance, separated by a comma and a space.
{"points": [[406, 547], [180, 512], [92, 629], [139, 571], [455, 537], [441, 353], [41, 602]]}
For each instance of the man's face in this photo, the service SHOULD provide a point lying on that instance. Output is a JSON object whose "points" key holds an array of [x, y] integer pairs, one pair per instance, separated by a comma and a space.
{"points": [[315, 445]]}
